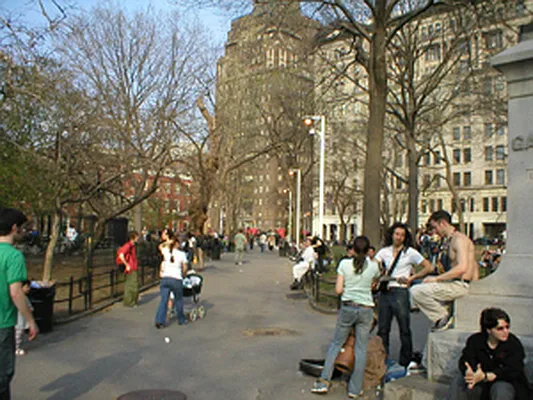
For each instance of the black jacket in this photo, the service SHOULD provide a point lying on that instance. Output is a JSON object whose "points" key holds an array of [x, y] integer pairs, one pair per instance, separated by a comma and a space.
{"points": [[506, 361]]}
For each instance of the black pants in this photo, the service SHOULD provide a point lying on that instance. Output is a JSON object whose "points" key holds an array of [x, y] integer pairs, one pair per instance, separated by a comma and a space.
{"points": [[7, 361], [395, 303]]}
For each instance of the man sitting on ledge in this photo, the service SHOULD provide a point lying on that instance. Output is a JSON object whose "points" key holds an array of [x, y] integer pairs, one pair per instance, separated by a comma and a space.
{"points": [[307, 257], [455, 283], [492, 363]]}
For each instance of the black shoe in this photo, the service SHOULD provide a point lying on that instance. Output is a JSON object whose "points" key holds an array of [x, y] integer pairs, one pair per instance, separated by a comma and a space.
{"points": [[295, 285], [159, 326]]}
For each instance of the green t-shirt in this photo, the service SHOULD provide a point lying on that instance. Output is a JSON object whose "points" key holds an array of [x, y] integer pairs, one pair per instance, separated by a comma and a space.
{"points": [[12, 269], [240, 241], [357, 286]]}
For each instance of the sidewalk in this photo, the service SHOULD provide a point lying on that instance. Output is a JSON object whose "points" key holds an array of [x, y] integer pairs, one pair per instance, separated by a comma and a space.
{"points": [[117, 351]]}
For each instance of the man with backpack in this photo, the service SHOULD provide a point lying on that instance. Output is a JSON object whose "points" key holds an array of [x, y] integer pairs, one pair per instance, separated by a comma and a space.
{"points": [[127, 256]]}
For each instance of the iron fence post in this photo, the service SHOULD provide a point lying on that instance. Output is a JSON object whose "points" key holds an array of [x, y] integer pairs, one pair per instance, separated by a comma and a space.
{"points": [[70, 294]]}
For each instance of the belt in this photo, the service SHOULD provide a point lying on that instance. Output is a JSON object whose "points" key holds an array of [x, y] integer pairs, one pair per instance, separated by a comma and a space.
{"points": [[354, 304], [461, 280]]}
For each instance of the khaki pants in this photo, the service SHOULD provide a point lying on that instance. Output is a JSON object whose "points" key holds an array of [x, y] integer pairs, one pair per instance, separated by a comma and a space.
{"points": [[430, 296], [131, 289], [239, 255]]}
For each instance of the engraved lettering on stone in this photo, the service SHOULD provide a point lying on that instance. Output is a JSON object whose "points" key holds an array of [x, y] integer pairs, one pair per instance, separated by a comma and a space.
{"points": [[520, 143]]}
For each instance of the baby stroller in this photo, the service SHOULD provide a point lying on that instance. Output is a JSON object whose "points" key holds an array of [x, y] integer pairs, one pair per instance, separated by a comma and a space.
{"points": [[192, 287]]}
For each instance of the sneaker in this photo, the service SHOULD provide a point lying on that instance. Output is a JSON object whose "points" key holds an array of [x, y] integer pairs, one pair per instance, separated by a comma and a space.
{"points": [[355, 396], [321, 386], [295, 285], [443, 324], [415, 368], [20, 352]]}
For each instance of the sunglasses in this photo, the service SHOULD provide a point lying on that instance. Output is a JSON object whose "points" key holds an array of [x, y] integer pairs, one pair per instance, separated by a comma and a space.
{"points": [[501, 328]]}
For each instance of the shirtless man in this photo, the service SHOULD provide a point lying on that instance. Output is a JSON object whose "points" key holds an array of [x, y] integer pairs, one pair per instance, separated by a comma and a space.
{"points": [[450, 285]]}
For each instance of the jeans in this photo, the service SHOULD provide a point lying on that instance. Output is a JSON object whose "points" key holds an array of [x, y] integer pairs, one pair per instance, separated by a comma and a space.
{"points": [[7, 361], [499, 390], [349, 316], [166, 286], [395, 303]]}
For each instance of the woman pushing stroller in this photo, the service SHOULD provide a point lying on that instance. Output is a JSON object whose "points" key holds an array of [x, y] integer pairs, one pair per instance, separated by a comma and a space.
{"points": [[173, 269]]}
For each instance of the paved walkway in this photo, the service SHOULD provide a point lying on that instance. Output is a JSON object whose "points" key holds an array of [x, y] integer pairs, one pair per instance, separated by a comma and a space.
{"points": [[117, 351]]}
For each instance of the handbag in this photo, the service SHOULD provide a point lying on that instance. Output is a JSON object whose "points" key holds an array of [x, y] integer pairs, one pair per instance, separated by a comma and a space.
{"points": [[383, 282]]}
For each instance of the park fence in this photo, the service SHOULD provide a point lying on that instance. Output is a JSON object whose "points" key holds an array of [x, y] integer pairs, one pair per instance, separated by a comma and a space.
{"points": [[320, 291], [103, 284]]}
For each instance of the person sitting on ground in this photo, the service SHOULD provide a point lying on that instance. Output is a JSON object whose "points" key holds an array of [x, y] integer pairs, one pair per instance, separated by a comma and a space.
{"points": [[303, 265], [355, 278], [452, 284], [492, 363]]}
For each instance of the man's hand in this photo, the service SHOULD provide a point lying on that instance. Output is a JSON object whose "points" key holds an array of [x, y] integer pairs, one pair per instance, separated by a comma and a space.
{"points": [[430, 279], [473, 378], [128, 268], [403, 280], [34, 330]]}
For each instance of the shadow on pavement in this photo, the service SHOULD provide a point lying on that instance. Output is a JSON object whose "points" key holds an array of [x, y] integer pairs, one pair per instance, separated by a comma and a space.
{"points": [[72, 386]]}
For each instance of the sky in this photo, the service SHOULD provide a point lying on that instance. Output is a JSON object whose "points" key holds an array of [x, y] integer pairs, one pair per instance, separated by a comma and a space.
{"points": [[213, 20]]}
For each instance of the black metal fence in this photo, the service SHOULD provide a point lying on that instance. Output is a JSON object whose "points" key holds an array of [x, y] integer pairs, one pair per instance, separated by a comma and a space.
{"points": [[321, 292], [103, 283]]}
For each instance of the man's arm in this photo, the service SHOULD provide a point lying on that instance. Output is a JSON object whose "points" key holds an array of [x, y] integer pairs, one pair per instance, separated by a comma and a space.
{"points": [[19, 299], [427, 268]]}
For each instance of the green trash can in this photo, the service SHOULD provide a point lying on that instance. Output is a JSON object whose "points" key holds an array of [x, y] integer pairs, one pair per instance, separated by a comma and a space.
{"points": [[42, 300]]}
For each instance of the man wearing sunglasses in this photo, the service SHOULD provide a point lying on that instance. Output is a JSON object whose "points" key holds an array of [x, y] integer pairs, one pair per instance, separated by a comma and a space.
{"points": [[492, 363]]}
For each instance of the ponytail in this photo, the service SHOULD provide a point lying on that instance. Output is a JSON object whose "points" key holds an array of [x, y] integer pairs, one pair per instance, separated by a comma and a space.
{"points": [[361, 245]]}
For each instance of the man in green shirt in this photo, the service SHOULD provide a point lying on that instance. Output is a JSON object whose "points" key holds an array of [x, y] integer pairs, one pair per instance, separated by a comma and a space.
{"points": [[240, 243], [12, 273]]}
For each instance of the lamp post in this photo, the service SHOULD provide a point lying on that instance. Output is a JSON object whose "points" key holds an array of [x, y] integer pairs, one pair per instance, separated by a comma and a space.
{"points": [[298, 173], [289, 225], [310, 121]]}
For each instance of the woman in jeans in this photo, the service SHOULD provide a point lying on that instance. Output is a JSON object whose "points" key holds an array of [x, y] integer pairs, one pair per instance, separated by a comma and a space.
{"points": [[354, 281], [173, 269]]}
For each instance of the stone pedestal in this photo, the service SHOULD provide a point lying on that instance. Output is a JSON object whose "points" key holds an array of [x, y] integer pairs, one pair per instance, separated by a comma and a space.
{"points": [[511, 286]]}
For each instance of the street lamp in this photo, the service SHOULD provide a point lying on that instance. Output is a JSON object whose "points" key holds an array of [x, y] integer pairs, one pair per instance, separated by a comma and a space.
{"points": [[289, 227], [310, 121], [298, 173]]}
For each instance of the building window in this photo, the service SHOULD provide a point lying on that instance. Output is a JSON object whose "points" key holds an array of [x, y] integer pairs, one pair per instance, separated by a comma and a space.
{"points": [[431, 205], [463, 205], [439, 204], [398, 183], [436, 181], [457, 133], [426, 180], [500, 152], [282, 58], [424, 207], [467, 155], [485, 204], [500, 130], [457, 156], [457, 179], [437, 158], [489, 153], [489, 130], [472, 204], [427, 158], [467, 132], [504, 203], [467, 179], [494, 39], [270, 58], [488, 177], [495, 201], [454, 206], [500, 177]]}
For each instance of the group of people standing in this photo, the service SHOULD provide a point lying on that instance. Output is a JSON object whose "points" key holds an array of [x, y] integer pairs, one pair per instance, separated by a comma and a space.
{"points": [[407, 279]]}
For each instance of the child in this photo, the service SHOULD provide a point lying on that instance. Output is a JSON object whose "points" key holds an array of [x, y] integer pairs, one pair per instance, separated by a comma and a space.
{"points": [[22, 324]]}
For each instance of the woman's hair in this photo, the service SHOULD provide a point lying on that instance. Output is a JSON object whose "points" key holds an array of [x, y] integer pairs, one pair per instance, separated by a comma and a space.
{"points": [[361, 244], [408, 242], [490, 316]]}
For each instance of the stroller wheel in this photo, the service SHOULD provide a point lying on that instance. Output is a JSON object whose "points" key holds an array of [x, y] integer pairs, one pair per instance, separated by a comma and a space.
{"points": [[193, 315], [201, 312]]}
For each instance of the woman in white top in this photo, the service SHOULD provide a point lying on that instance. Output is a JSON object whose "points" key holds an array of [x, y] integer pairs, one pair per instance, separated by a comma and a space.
{"points": [[173, 269], [354, 281]]}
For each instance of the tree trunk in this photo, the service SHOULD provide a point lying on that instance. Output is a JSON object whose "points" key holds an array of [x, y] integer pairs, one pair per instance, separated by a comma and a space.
{"points": [[413, 192], [49, 255], [377, 103]]}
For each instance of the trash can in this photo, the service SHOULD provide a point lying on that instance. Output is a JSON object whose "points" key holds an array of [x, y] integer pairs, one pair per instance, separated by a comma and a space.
{"points": [[282, 249], [42, 300], [216, 249]]}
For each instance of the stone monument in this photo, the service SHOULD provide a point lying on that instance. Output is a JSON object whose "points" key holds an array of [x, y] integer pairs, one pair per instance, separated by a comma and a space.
{"points": [[510, 287]]}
